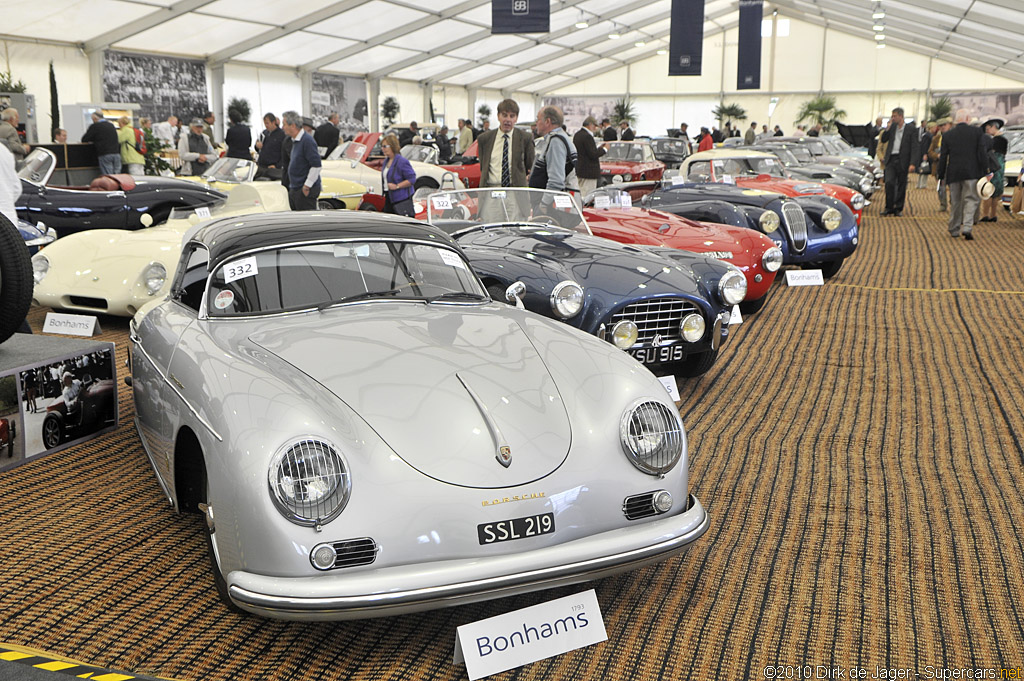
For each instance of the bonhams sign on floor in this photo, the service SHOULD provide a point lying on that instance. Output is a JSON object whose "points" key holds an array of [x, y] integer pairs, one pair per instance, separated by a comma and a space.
{"points": [[516, 638]]}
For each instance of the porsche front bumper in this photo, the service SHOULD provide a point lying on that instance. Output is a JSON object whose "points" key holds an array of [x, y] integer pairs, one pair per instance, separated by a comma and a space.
{"points": [[411, 588]]}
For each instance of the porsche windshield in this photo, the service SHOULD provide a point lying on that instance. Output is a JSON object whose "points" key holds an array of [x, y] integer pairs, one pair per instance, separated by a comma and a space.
{"points": [[624, 151], [506, 205], [322, 275]]}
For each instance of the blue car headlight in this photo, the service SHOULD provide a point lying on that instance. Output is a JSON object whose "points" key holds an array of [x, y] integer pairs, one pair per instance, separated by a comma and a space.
{"points": [[831, 219]]}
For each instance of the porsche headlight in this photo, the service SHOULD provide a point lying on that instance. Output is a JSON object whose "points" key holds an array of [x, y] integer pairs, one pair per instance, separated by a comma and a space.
{"points": [[625, 334], [769, 222], [652, 436], [732, 287], [154, 275], [567, 299], [771, 261], [831, 219], [40, 267], [857, 201], [692, 328], [309, 482]]}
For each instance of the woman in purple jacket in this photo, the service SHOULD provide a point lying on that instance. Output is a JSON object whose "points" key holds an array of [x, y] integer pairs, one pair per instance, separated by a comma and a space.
{"points": [[398, 179]]}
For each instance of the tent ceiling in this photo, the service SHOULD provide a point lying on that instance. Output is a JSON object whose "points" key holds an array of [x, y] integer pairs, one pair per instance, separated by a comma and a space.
{"points": [[449, 41]]}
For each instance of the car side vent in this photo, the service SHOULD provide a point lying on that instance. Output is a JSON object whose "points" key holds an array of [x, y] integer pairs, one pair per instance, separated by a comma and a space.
{"points": [[639, 506], [93, 303], [355, 552]]}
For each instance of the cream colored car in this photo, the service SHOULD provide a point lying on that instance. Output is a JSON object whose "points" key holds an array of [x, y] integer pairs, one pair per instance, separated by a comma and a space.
{"points": [[345, 163], [117, 271], [227, 173]]}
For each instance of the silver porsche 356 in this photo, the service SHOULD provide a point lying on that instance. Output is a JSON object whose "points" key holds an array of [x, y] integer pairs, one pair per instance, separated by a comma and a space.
{"points": [[367, 433]]}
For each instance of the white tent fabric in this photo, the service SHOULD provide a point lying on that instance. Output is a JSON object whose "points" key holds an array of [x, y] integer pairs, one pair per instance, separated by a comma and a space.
{"points": [[449, 41]]}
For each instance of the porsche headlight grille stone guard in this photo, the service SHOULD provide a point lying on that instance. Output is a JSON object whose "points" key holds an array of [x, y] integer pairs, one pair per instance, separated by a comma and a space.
{"points": [[309, 482], [652, 436]]}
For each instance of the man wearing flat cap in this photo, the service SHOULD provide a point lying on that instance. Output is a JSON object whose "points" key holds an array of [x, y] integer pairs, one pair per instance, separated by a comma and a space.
{"points": [[195, 150]]}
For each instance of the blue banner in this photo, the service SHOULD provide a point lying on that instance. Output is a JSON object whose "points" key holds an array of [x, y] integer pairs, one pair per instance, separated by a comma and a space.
{"points": [[748, 58], [520, 16], [686, 38]]}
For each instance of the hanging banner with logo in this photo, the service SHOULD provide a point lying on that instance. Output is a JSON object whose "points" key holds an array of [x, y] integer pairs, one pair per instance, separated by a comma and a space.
{"points": [[686, 38], [748, 61], [520, 16]]}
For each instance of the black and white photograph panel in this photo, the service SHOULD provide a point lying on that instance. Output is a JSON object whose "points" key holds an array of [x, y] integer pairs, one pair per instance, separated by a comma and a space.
{"points": [[68, 401]]}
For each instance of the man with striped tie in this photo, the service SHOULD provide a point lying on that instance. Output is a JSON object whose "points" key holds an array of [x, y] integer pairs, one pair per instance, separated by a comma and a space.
{"points": [[506, 154]]}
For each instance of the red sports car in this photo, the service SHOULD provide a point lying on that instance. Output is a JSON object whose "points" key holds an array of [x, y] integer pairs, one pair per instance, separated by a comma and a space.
{"points": [[630, 162], [468, 172], [753, 253], [757, 170]]}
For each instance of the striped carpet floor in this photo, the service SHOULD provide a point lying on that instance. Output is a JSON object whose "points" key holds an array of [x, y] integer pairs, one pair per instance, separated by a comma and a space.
{"points": [[858, 445]]}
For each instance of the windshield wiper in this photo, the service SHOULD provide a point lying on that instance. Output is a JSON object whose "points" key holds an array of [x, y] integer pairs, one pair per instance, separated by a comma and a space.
{"points": [[358, 296], [457, 295]]}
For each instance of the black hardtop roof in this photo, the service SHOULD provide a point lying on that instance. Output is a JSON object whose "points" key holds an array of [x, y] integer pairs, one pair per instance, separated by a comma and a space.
{"points": [[231, 236]]}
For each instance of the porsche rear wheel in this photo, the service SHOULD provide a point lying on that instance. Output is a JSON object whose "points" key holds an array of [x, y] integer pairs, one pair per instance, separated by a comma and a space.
{"points": [[15, 279]]}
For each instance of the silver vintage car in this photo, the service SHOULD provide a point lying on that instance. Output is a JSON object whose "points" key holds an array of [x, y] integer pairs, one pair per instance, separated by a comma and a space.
{"points": [[367, 433]]}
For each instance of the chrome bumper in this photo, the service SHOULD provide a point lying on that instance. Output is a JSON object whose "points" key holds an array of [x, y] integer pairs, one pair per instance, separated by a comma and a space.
{"points": [[576, 561]]}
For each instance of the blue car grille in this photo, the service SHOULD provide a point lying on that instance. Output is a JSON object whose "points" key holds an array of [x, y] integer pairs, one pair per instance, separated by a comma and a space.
{"points": [[796, 225], [654, 317]]}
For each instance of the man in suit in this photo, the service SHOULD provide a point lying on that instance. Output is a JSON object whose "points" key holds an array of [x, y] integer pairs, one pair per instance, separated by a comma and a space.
{"points": [[327, 134], [626, 133], [962, 162], [608, 131], [901, 158], [506, 154], [588, 156]]}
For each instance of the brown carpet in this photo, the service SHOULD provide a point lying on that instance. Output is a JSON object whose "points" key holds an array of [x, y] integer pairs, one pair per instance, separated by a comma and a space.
{"points": [[858, 445]]}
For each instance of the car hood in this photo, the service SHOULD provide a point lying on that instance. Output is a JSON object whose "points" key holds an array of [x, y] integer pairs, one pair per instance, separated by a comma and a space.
{"points": [[110, 257], [657, 228], [787, 187], [444, 386], [622, 166]]}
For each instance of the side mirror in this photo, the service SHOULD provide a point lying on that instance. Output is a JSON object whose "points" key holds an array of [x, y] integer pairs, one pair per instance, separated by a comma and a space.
{"points": [[514, 294], [146, 219]]}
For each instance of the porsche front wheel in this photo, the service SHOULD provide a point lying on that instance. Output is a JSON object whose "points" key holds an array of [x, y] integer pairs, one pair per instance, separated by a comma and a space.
{"points": [[15, 279]]}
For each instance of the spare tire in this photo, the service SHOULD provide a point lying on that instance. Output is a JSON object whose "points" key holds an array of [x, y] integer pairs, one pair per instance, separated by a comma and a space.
{"points": [[15, 279]]}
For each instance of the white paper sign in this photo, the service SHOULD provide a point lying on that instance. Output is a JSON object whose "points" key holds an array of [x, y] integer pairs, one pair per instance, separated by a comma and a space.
{"points": [[626, 201], [562, 201], [671, 386], [736, 317], [678, 179], [442, 202], [602, 201], [240, 269], [452, 259], [516, 638], [203, 211], [71, 324], [804, 278]]}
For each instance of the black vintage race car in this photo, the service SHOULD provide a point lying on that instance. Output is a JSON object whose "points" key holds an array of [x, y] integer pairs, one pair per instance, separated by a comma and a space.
{"points": [[109, 202]]}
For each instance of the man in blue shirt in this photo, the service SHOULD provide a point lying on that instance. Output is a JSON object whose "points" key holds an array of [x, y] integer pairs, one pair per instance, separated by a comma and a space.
{"points": [[303, 166]]}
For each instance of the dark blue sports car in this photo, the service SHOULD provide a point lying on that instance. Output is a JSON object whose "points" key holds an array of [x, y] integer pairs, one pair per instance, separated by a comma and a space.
{"points": [[109, 202], [667, 308], [35, 236], [814, 232]]}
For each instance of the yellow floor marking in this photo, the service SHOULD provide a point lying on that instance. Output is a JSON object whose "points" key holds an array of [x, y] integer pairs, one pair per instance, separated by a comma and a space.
{"points": [[930, 290], [12, 655], [112, 677], [87, 675], [54, 666]]}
